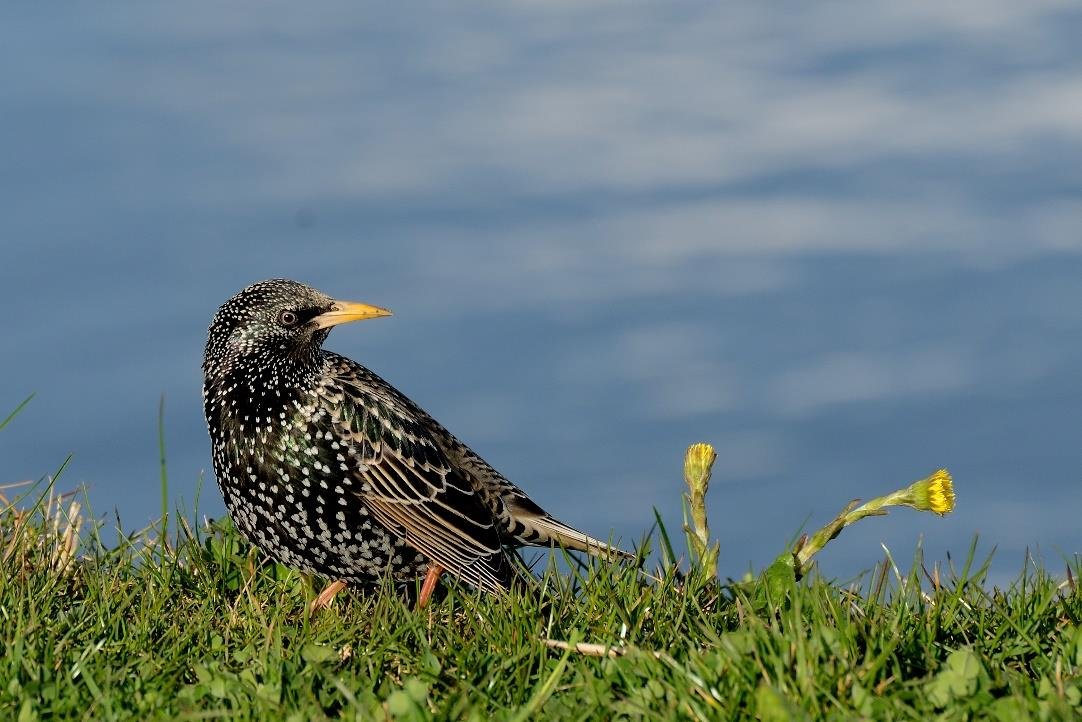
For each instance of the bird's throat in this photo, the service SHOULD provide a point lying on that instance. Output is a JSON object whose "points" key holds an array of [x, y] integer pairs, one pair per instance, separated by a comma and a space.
{"points": [[255, 391]]}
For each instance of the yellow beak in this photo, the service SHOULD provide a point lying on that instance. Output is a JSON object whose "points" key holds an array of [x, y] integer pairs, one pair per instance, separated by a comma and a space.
{"points": [[346, 311]]}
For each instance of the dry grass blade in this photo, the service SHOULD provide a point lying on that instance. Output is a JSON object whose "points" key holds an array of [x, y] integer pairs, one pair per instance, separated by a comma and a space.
{"points": [[50, 540], [588, 649]]}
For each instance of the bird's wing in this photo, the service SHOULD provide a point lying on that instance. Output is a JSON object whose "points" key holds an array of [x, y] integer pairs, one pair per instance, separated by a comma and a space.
{"points": [[521, 520], [411, 487]]}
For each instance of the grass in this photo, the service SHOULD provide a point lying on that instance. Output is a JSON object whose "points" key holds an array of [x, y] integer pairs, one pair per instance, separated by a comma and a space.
{"points": [[200, 629]]}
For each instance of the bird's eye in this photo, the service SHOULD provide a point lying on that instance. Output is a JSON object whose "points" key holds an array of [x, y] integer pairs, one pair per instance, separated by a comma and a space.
{"points": [[287, 318]]}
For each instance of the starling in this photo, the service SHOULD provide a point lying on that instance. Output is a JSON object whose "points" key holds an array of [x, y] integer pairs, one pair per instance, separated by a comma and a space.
{"points": [[329, 469]]}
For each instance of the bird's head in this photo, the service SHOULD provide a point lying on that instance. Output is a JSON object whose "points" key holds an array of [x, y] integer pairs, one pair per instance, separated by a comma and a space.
{"points": [[274, 322]]}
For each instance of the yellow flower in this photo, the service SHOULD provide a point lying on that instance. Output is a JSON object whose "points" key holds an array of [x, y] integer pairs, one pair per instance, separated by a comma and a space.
{"points": [[698, 462], [936, 493]]}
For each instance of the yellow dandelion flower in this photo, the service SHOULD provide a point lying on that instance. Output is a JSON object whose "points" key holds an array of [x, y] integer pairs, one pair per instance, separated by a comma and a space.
{"points": [[935, 494]]}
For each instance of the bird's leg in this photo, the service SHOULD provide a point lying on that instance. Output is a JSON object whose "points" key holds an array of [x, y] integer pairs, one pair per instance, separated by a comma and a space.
{"points": [[431, 579], [324, 599]]}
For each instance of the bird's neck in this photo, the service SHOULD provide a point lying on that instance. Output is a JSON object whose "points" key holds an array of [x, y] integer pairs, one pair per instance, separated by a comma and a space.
{"points": [[257, 388]]}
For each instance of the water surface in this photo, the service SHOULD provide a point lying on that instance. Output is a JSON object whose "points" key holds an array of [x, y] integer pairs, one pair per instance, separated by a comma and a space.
{"points": [[840, 244]]}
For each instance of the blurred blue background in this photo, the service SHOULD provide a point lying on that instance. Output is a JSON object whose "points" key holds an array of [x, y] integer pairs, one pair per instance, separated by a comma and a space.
{"points": [[841, 242]]}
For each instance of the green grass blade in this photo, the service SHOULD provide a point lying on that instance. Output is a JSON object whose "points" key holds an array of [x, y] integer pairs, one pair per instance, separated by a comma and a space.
{"points": [[16, 412], [164, 475]]}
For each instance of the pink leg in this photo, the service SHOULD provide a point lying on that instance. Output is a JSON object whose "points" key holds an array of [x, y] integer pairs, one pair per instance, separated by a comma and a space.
{"points": [[431, 579], [324, 599]]}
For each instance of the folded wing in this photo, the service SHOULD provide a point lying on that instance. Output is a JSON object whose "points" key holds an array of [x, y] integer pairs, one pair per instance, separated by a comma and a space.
{"points": [[410, 487]]}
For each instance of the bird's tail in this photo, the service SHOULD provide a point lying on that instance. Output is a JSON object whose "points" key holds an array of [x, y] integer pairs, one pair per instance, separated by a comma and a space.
{"points": [[547, 530]]}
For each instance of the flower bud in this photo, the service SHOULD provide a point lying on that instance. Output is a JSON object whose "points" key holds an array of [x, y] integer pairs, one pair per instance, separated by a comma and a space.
{"points": [[698, 462]]}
